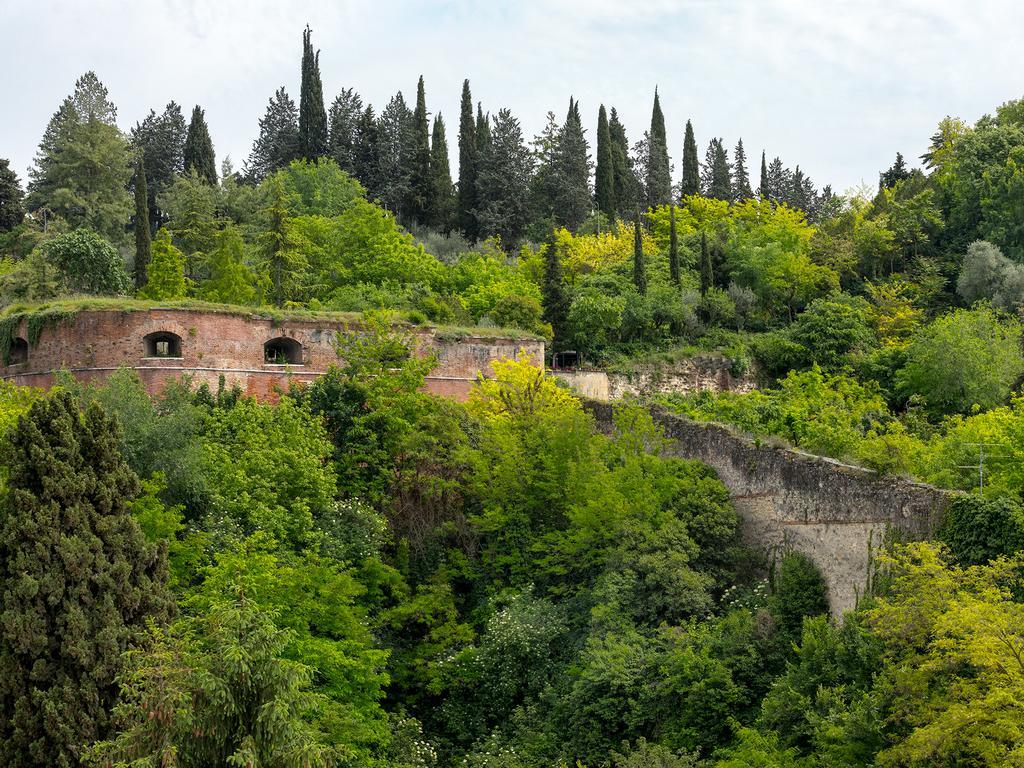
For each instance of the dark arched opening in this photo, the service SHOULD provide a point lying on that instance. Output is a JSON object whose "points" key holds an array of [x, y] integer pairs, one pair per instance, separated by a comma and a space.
{"points": [[162, 344], [282, 351], [18, 352]]}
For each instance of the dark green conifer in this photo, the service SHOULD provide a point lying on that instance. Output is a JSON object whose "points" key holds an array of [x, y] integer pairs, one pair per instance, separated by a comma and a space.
{"points": [[142, 234], [673, 246], [465, 219], [658, 180], [312, 115], [626, 184], [604, 180], [740, 176], [198, 153], [639, 270], [420, 190], [78, 579], [572, 198], [483, 129], [554, 292], [12, 200], [764, 189], [442, 193], [691, 166]]}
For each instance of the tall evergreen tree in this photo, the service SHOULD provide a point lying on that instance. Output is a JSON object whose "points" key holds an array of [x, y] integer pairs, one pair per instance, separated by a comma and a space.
{"points": [[673, 246], [740, 175], [545, 181], [467, 165], [278, 142], [78, 578], [442, 193], [483, 129], [142, 236], [165, 275], [503, 181], [554, 292], [198, 152], [895, 173], [778, 181], [658, 178], [312, 115], [161, 140], [572, 172], [420, 187], [365, 157], [604, 177], [707, 270], [715, 179], [12, 207], [394, 150], [344, 122], [764, 188], [691, 166], [627, 186], [282, 261], [639, 269]]}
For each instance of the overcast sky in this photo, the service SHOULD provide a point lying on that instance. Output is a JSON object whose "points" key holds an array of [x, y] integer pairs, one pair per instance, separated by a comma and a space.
{"points": [[836, 87]]}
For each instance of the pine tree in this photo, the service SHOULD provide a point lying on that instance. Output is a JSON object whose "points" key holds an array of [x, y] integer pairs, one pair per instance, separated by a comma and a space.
{"points": [[627, 186], [344, 121], [740, 176], [230, 280], [658, 179], [673, 246], [716, 181], [12, 208], [691, 166], [442, 193], [161, 140], [281, 260], [467, 165], [764, 189], [544, 184], [312, 115], [707, 271], [554, 292], [778, 181], [79, 582], [278, 142], [604, 178], [198, 152], [572, 172], [166, 274], [897, 172], [394, 156], [420, 204], [503, 181], [639, 270], [142, 238]]}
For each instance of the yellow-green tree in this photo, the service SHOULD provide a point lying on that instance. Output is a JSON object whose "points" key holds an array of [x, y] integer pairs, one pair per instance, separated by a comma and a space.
{"points": [[165, 275]]}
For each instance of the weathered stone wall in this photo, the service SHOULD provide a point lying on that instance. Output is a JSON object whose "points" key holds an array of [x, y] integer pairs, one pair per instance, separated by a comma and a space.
{"points": [[93, 344], [835, 513], [696, 374]]}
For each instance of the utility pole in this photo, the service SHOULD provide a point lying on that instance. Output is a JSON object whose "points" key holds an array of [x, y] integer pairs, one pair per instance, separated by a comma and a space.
{"points": [[981, 465]]}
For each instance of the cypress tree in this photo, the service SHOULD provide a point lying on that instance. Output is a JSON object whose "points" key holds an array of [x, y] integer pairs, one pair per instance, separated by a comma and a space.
{"points": [[312, 115], [464, 217], [142, 237], [673, 246], [639, 271], [691, 166], [483, 130], [420, 190], [78, 578], [12, 207], [554, 293], [763, 190], [198, 153], [707, 272], [624, 177], [659, 176], [604, 180], [442, 193], [740, 176]]}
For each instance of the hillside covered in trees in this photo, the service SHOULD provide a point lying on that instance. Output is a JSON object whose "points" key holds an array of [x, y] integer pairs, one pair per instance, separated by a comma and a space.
{"points": [[363, 574]]}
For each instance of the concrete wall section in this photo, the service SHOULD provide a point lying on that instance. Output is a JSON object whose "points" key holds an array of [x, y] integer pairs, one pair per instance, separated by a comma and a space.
{"points": [[93, 344], [835, 513], [696, 374]]}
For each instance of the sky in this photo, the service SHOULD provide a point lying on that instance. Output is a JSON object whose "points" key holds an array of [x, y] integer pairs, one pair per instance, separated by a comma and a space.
{"points": [[836, 86]]}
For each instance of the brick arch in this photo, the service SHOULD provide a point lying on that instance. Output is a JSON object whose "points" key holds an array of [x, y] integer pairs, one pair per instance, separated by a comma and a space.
{"points": [[283, 351]]}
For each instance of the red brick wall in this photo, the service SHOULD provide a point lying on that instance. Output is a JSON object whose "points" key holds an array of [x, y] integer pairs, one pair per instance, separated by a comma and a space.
{"points": [[96, 343]]}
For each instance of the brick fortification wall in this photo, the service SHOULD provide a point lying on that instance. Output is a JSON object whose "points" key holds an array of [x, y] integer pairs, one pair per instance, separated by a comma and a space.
{"points": [[93, 344], [835, 513]]}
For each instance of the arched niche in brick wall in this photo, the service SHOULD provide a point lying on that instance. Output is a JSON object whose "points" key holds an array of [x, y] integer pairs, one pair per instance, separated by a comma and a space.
{"points": [[282, 351], [162, 344]]}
